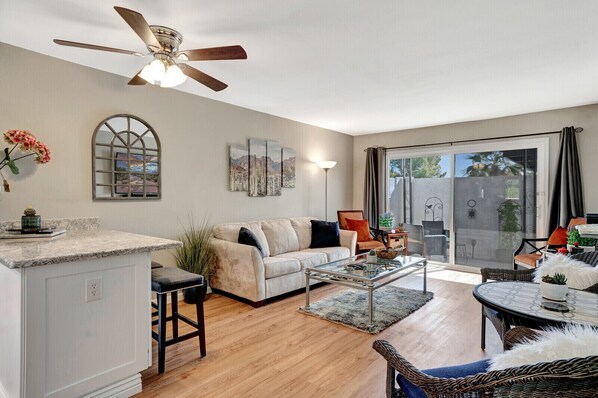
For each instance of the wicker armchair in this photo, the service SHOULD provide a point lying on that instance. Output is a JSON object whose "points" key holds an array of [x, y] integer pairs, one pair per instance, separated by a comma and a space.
{"points": [[497, 274], [563, 378]]}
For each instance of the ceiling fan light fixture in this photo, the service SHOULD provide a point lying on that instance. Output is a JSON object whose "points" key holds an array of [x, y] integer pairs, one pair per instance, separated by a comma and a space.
{"points": [[153, 72], [173, 76]]}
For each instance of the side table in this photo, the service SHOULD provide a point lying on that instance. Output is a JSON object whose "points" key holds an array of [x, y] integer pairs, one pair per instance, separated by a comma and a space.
{"points": [[396, 239]]}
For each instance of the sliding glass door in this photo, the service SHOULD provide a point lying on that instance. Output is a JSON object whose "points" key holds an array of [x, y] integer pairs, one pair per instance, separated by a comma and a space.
{"points": [[420, 195], [469, 205]]}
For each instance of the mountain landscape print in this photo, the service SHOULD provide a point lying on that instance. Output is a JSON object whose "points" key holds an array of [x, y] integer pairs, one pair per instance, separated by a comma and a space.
{"points": [[288, 168], [262, 168], [273, 168], [239, 168], [257, 168]]}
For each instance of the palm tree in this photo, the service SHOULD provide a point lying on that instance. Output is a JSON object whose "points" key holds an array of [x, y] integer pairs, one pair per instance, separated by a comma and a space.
{"points": [[487, 164]]}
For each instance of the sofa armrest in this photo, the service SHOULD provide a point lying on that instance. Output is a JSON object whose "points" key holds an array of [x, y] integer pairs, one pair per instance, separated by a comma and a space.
{"points": [[239, 270], [348, 239]]}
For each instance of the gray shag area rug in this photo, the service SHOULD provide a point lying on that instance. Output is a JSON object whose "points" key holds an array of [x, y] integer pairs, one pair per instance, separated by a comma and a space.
{"points": [[350, 308]]}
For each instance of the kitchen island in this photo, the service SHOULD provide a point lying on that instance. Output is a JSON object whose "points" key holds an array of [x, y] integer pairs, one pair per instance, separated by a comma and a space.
{"points": [[76, 312]]}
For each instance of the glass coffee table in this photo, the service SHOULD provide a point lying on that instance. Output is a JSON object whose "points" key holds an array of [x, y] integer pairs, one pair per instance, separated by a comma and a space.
{"points": [[354, 272]]}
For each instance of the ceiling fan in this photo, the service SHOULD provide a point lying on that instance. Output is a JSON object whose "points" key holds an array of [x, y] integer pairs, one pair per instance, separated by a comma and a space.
{"points": [[163, 44]]}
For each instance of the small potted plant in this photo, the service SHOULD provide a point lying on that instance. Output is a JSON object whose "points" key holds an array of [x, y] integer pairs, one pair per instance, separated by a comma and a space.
{"points": [[386, 220], [574, 240], [554, 287]]}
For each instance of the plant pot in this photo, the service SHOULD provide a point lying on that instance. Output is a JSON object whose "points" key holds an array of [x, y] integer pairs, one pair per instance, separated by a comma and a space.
{"points": [[584, 248], [190, 295], [554, 292]]}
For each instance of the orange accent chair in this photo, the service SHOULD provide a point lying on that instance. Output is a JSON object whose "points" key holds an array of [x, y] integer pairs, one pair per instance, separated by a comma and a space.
{"points": [[374, 239], [529, 253]]}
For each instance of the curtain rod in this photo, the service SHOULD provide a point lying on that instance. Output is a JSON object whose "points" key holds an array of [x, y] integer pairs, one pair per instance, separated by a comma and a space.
{"points": [[577, 130]]}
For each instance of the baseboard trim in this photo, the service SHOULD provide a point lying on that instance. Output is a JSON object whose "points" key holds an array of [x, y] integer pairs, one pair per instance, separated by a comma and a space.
{"points": [[121, 389]]}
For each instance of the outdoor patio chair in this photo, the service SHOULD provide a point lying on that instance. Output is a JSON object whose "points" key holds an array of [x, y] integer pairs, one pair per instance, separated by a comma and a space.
{"points": [[563, 378], [435, 239]]}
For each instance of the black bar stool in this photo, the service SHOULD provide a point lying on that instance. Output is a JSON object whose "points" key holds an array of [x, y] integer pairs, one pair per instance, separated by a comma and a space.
{"points": [[170, 280]]}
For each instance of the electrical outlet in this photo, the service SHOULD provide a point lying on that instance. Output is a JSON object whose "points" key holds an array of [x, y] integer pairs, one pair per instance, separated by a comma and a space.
{"points": [[93, 289]]}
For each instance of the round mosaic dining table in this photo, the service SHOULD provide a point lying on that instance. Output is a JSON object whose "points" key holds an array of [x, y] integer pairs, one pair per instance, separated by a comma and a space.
{"points": [[524, 300]]}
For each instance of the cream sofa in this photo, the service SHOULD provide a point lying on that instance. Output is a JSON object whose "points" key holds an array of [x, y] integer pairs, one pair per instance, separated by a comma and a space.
{"points": [[242, 271]]}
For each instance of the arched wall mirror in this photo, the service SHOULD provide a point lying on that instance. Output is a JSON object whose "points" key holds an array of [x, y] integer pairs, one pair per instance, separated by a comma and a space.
{"points": [[126, 160]]}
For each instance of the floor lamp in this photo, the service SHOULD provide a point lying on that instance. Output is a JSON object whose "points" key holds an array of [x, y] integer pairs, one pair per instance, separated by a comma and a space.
{"points": [[326, 165]]}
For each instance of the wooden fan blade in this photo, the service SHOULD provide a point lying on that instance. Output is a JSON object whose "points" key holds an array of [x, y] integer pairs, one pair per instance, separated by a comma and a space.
{"points": [[137, 80], [215, 53], [204, 79], [94, 47], [139, 25]]}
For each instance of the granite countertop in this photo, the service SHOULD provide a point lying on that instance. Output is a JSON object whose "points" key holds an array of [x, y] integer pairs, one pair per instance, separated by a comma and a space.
{"points": [[20, 253]]}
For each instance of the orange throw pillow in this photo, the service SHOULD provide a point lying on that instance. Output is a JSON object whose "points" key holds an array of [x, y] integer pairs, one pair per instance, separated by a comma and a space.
{"points": [[558, 237], [362, 227]]}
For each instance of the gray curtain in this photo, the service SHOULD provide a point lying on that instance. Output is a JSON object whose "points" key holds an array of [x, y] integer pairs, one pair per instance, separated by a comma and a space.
{"points": [[566, 201], [374, 185]]}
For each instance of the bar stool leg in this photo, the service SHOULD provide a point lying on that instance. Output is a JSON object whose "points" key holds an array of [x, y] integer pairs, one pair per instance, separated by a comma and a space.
{"points": [[200, 322], [162, 302], [174, 304]]}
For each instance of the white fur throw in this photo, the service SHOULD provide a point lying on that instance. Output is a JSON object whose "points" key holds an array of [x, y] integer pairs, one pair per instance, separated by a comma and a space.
{"points": [[579, 274], [571, 342]]}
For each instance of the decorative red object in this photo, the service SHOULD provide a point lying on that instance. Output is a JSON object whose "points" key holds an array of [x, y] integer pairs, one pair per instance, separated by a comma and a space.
{"points": [[575, 244], [362, 227], [563, 250]]}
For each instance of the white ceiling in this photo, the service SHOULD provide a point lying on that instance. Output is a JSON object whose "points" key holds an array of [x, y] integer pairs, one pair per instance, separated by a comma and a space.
{"points": [[353, 66]]}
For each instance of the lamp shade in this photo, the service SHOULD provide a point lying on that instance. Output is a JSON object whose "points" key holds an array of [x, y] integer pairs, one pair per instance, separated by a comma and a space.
{"points": [[173, 76], [326, 164], [153, 72]]}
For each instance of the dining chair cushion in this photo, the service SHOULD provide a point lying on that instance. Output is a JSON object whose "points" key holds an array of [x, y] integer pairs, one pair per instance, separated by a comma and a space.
{"points": [[579, 274], [572, 341], [558, 237], [412, 391], [528, 259], [362, 227]]}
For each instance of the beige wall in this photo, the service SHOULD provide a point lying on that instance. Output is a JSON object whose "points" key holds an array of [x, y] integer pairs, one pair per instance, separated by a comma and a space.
{"points": [[583, 116], [62, 103]]}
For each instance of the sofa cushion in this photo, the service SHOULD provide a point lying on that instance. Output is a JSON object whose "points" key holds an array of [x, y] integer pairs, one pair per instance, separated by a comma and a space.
{"points": [[324, 234], [246, 237], [332, 253], [558, 237], [302, 227], [279, 266], [362, 227], [280, 235], [306, 258], [230, 232]]}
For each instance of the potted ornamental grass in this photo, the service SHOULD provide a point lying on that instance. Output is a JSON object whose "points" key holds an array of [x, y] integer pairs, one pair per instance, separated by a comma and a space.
{"points": [[554, 287], [575, 241], [195, 255]]}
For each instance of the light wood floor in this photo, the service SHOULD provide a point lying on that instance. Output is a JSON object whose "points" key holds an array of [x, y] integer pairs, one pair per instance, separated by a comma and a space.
{"points": [[275, 351]]}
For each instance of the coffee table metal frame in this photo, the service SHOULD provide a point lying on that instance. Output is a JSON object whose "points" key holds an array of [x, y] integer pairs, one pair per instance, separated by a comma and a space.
{"points": [[367, 280]]}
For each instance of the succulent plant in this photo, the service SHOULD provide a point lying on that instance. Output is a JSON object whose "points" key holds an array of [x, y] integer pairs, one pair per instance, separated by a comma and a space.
{"points": [[29, 211], [556, 279]]}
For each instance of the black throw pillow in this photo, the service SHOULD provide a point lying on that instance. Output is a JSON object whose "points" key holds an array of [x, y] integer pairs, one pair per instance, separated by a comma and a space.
{"points": [[246, 237], [324, 234]]}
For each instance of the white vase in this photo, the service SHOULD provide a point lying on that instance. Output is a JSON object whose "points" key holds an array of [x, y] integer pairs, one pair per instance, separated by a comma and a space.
{"points": [[554, 292]]}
